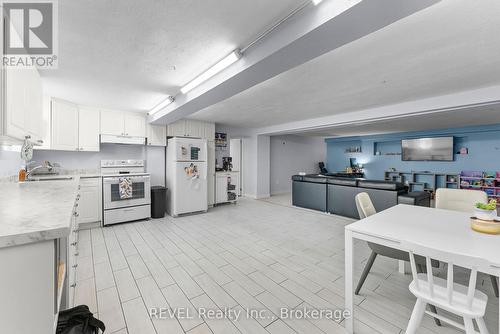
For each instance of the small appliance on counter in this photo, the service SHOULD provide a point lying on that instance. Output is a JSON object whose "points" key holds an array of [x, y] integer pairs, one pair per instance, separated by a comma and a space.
{"points": [[227, 164], [186, 176], [126, 191]]}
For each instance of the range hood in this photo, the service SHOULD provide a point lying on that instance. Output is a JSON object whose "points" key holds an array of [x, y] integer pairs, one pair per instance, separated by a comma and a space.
{"points": [[129, 140]]}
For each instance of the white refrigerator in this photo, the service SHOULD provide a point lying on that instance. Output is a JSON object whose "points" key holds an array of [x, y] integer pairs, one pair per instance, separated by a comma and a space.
{"points": [[186, 176]]}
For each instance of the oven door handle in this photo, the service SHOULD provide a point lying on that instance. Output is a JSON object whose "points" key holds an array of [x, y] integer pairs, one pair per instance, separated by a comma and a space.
{"points": [[134, 179]]}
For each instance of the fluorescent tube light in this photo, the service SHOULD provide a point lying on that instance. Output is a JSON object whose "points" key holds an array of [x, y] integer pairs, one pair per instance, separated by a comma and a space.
{"points": [[316, 2], [224, 63], [162, 105]]}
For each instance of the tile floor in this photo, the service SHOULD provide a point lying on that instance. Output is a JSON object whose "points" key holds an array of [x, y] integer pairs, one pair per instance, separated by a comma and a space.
{"points": [[256, 255]]}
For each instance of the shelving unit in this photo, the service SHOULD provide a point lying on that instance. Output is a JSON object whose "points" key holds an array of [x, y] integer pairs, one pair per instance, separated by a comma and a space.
{"points": [[487, 182], [226, 187], [424, 181]]}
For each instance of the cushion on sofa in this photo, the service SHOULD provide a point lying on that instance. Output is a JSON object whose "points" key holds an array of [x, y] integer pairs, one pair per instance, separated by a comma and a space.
{"points": [[382, 185], [314, 179], [342, 181]]}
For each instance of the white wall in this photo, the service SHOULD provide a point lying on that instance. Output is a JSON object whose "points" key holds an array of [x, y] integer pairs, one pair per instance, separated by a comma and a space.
{"points": [[293, 154], [10, 162], [268, 162]]}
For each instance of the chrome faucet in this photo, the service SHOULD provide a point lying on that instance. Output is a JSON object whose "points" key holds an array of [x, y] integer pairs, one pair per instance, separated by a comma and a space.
{"points": [[30, 171]]}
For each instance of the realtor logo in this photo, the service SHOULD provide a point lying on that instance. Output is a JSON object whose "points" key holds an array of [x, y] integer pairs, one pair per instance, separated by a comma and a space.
{"points": [[29, 36]]}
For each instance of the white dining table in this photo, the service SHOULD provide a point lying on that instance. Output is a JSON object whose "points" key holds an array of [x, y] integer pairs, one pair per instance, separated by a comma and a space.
{"points": [[439, 229]]}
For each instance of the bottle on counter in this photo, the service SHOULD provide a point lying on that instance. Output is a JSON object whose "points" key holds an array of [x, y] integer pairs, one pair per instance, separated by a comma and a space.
{"points": [[22, 174]]}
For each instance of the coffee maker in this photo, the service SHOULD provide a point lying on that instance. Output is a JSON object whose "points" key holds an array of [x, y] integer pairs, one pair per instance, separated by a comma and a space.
{"points": [[227, 164]]}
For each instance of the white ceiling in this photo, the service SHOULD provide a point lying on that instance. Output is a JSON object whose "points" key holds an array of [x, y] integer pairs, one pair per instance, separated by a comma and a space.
{"points": [[449, 47], [442, 120], [129, 54]]}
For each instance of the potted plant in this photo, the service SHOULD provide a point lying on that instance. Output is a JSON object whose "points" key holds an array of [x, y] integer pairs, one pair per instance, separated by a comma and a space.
{"points": [[486, 211]]}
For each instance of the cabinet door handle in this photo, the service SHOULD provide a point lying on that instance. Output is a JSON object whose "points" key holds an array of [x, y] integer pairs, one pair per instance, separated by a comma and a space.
{"points": [[75, 265], [74, 243], [76, 254], [73, 285], [40, 141], [76, 149]]}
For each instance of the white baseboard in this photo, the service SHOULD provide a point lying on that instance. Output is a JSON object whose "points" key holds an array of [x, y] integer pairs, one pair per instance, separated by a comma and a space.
{"points": [[260, 196], [284, 192]]}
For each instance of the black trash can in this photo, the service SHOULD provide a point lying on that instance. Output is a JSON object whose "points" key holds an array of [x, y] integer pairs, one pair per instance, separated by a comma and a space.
{"points": [[158, 201]]}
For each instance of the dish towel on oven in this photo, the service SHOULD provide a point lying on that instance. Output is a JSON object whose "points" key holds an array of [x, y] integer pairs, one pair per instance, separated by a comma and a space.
{"points": [[126, 188]]}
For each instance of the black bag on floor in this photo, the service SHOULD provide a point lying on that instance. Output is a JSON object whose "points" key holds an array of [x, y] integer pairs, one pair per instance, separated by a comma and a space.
{"points": [[78, 320]]}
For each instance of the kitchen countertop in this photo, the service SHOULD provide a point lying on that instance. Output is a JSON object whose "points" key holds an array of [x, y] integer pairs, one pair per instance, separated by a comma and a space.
{"points": [[36, 211], [63, 176]]}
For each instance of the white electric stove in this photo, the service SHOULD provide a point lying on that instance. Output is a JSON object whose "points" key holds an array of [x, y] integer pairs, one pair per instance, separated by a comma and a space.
{"points": [[117, 209]]}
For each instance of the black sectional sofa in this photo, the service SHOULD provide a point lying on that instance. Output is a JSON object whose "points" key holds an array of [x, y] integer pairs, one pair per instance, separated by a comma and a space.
{"points": [[336, 195]]}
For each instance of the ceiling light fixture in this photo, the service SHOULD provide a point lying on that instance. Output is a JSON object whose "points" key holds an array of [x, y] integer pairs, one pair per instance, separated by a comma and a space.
{"points": [[316, 2], [224, 63], [162, 105]]}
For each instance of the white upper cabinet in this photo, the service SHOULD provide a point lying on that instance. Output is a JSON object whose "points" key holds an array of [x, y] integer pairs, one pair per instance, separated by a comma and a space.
{"points": [[194, 129], [64, 126], [23, 108], [120, 123], [191, 128], [88, 129], [209, 130], [112, 123], [74, 128], [156, 135], [177, 129], [135, 125]]}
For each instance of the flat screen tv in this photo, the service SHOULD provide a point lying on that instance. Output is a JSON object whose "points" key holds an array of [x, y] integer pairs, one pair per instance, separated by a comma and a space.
{"points": [[427, 149]]}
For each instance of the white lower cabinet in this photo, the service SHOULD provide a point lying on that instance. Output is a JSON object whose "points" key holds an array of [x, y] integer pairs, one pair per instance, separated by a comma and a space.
{"points": [[226, 185], [89, 208], [211, 171], [37, 281], [72, 264], [28, 288]]}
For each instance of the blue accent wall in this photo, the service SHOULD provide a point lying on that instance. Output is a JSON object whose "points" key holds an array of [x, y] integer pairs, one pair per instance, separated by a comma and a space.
{"points": [[483, 143]]}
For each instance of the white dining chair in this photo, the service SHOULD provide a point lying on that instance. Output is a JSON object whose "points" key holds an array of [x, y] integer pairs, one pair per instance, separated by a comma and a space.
{"points": [[366, 209], [464, 301], [463, 200]]}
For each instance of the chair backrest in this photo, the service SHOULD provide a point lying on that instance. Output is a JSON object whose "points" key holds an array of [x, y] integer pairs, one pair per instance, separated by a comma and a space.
{"points": [[451, 259], [364, 205], [459, 199]]}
